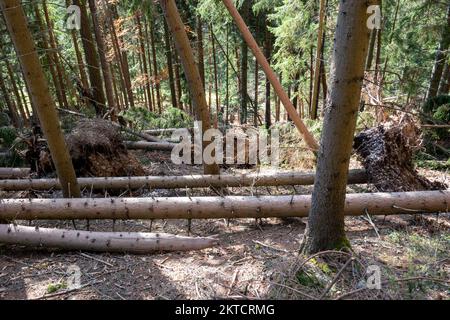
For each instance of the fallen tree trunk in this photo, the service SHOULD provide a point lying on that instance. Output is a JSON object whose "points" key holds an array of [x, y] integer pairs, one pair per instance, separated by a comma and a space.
{"points": [[131, 242], [217, 207], [164, 131], [143, 145], [174, 182], [14, 173]]}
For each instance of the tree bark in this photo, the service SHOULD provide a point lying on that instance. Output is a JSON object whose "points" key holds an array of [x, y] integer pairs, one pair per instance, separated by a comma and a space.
{"points": [[326, 222], [191, 71], [104, 63], [309, 139], [268, 53], [93, 65], [173, 93], [200, 50], [440, 61], [168, 182], [218, 207], [444, 86], [155, 66], [130, 242], [244, 65], [34, 75], [13, 113], [54, 47], [216, 79]]}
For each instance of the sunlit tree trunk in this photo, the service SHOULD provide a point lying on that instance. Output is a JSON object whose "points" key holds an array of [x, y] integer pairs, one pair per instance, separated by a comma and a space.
{"points": [[326, 219], [317, 75], [155, 66], [144, 61]]}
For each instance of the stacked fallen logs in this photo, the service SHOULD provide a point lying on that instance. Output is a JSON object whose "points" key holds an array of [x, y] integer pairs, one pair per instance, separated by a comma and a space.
{"points": [[174, 182], [218, 207], [131, 242]]}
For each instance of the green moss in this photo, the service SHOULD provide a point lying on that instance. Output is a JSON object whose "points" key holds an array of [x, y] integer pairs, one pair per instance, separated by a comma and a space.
{"points": [[308, 280], [54, 287]]}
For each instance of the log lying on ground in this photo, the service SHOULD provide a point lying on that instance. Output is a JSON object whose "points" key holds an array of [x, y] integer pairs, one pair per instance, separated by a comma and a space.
{"points": [[131, 242], [174, 182], [14, 173], [150, 146], [217, 207], [164, 131]]}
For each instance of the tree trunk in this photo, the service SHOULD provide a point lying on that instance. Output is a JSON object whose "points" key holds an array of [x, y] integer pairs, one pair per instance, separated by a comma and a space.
{"points": [[129, 242], [317, 75], [244, 65], [93, 65], [444, 86], [326, 222], [200, 50], [173, 93], [441, 55], [12, 111], [155, 66], [104, 63], [150, 68], [309, 139], [54, 47], [10, 182], [219, 207], [190, 69], [216, 79], [20, 105], [50, 55], [34, 75], [268, 53], [144, 61]]}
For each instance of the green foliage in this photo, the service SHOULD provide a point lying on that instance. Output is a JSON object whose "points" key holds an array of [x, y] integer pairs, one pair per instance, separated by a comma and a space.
{"points": [[4, 119], [170, 118], [434, 103], [7, 136], [52, 288], [443, 113]]}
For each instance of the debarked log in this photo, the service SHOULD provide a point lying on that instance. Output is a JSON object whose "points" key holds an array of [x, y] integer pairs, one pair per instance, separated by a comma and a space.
{"points": [[131, 242], [174, 182], [218, 207], [150, 146], [14, 173]]}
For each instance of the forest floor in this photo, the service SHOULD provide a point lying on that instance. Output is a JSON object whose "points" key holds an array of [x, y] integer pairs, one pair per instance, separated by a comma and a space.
{"points": [[254, 260]]}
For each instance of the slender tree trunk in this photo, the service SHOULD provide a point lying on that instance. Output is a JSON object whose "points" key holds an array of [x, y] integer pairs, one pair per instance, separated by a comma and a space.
{"points": [[150, 68], [155, 66], [445, 81], [326, 219], [200, 50], [317, 75], [440, 61], [50, 55], [93, 65], [268, 54], [34, 75], [191, 71], [227, 77], [80, 62], [173, 93], [144, 62], [244, 65], [54, 46], [104, 63], [278, 104], [20, 106], [12, 111], [373, 38], [216, 79]]}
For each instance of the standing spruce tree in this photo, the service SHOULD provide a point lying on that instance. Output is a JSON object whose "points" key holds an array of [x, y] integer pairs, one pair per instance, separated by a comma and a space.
{"points": [[16, 23], [326, 219]]}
